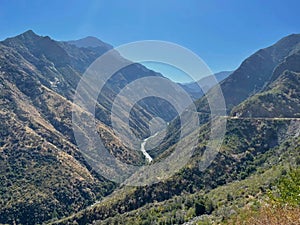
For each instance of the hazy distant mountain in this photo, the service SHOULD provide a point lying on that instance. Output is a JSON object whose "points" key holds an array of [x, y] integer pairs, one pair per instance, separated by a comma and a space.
{"points": [[90, 42], [196, 92]]}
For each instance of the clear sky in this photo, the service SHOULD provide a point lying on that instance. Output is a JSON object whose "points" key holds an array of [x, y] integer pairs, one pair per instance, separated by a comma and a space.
{"points": [[222, 32]]}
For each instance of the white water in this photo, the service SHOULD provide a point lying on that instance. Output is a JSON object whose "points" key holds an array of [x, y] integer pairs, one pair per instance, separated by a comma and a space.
{"points": [[148, 157]]}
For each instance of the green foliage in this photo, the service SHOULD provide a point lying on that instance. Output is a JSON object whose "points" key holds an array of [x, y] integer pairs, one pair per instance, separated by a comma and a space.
{"points": [[288, 188]]}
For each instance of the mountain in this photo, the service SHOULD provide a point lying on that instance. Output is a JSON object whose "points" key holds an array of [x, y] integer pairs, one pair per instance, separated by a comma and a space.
{"points": [[254, 155], [90, 42], [70, 63], [280, 98], [195, 91], [254, 73], [43, 173], [259, 148], [252, 77], [46, 179], [251, 183]]}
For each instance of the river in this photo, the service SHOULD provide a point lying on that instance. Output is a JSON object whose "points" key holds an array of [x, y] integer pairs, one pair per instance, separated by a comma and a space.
{"points": [[148, 157]]}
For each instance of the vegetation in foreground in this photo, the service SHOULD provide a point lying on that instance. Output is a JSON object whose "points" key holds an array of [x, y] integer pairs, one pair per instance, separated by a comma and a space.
{"points": [[282, 208]]}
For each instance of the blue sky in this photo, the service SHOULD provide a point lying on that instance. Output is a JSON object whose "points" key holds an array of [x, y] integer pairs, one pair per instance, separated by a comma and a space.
{"points": [[223, 33]]}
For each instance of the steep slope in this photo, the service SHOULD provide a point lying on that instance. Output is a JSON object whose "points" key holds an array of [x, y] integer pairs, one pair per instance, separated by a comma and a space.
{"points": [[281, 96], [43, 174], [250, 147], [216, 206], [29, 66], [254, 73], [61, 65], [252, 77]]}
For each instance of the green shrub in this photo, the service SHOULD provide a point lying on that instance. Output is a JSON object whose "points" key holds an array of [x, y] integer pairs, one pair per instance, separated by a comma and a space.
{"points": [[289, 188]]}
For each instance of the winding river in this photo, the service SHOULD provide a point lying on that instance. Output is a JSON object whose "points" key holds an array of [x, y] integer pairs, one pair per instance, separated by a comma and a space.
{"points": [[148, 157]]}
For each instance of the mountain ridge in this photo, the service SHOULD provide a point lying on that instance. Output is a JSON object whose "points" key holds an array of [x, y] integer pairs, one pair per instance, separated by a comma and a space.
{"points": [[90, 41], [44, 177], [38, 78], [193, 87]]}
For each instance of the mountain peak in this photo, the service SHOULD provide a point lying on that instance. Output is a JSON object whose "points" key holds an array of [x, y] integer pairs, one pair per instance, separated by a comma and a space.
{"points": [[89, 41], [292, 36], [287, 43], [29, 34]]}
